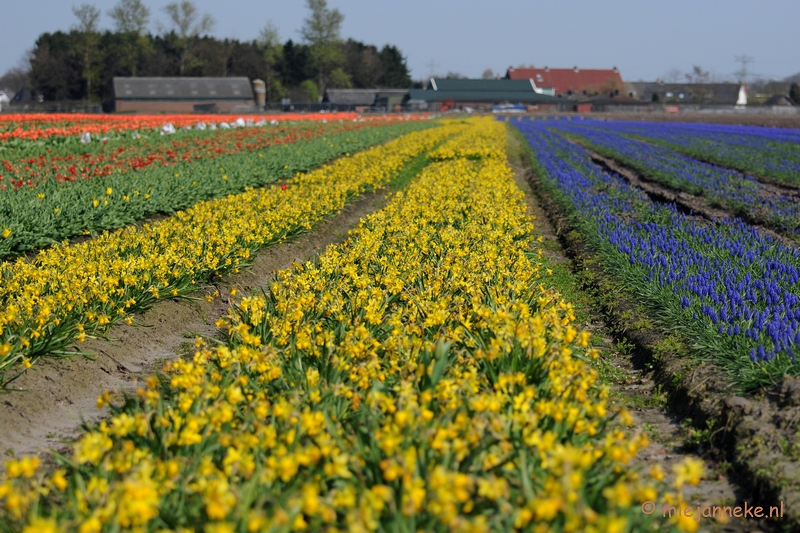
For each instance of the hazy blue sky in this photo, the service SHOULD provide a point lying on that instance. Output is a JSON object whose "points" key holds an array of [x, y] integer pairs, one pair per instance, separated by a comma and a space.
{"points": [[644, 39]]}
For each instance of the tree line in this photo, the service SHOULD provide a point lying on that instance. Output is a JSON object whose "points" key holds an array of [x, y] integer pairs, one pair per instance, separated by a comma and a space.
{"points": [[81, 63]]}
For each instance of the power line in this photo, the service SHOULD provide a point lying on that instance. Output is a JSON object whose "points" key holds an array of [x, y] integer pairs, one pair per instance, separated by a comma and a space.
{"points": [[744, 60]]}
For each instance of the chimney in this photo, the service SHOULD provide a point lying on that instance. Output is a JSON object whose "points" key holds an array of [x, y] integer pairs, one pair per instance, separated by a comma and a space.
{"points": [[615, 69], [546, 68], [575, 68]]}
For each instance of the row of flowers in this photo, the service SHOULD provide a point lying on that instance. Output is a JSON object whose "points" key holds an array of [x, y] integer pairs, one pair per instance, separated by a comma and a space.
{"points": [[70, 291], [768, 152], [476, 143], [419, 377], [32, 127], [36, 166], [740, 193], [31, 218], [729, 289]]}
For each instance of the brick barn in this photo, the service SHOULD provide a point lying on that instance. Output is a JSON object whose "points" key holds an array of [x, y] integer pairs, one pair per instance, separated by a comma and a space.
{"points": [[182, 95], [571, 81]]}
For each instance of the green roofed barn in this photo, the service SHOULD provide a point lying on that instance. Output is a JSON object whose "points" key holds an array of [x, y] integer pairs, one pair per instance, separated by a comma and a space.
{"points": [[182, 95], [481, 93]]}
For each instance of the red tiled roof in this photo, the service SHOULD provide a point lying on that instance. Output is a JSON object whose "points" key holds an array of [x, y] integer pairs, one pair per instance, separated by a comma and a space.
{"points": [[564, 80]]}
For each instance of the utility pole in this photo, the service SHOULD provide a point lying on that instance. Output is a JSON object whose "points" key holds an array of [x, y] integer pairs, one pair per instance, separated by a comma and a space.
{"points": [[744, 60]]}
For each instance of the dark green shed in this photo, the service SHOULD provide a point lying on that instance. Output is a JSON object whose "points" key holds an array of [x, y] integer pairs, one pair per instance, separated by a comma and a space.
{"points": [[469, 91]]}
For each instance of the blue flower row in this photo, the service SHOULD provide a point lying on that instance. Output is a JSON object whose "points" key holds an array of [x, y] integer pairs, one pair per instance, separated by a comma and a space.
{"points": [[719, 185], [769, 152], [731, 290]]}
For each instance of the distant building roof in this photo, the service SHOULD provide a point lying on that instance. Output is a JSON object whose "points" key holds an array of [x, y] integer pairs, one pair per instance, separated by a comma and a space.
{"points": [[360, 97], [183, 89], [616, 100], [489, 91], [570, 80], [484, 96], [690, 93], [386, 93], [479, 85]]}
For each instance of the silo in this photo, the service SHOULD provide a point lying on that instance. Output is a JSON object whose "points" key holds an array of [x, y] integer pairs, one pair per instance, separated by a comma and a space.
{"points": [[260, 88]]}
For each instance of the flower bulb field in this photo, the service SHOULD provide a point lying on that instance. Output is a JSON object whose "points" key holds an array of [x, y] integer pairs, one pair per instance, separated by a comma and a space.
{"points": [[397, 324]]}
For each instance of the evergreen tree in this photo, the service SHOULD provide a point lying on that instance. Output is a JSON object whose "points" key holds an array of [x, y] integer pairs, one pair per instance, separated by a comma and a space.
{"points": [[363, 64], [296, 64], [83, 62], [395, 68], [794, 93]]}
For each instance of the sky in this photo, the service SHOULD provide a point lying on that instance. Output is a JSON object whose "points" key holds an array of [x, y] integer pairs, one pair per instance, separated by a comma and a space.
{"points": [[644, 39]]}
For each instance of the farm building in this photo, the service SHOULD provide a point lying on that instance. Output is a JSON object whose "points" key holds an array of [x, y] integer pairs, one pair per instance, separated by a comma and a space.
{"points": [[182, 95], [481, 93], [571, 81], [710, 94], [353, 98]]}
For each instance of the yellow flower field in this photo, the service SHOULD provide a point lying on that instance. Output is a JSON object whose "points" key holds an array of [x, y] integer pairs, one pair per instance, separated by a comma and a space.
{"points": [[475, 143], [419, 377], [69, 291]]}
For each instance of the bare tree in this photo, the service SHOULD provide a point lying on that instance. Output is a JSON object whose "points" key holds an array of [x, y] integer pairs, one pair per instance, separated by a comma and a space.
{"points": [[452, 75], [673, 75], [488, 74], [188, 24], [697, 75], [88, 16], [19, 77], [14, 80]]}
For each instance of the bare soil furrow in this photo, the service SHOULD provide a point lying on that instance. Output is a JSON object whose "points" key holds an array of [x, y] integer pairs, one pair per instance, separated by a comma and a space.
{"points": [[771, 185], [686, 202], [48, 403]]}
